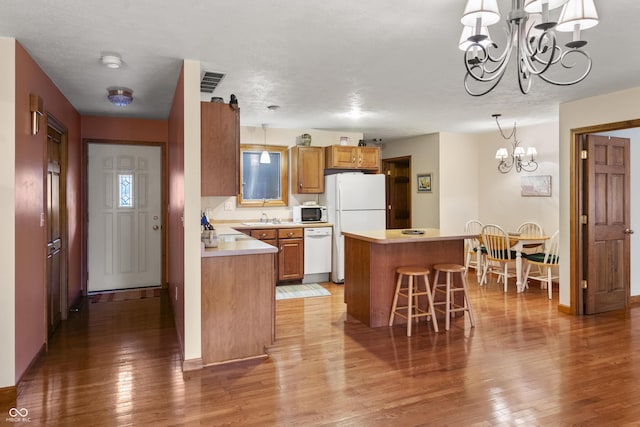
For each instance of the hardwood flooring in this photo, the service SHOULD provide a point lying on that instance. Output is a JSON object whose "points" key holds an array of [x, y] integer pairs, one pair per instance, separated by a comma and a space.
{"points": [[524, 363]]}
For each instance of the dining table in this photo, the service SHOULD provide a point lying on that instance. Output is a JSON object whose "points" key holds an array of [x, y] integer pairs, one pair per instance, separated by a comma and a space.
{"points": [[518, 242]]}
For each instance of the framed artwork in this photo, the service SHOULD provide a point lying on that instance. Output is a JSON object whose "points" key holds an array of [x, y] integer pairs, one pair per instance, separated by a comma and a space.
{"points": [[424, 183], [535, 186]]}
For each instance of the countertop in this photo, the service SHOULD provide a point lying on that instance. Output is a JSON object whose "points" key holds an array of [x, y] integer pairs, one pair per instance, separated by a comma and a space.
{"points": [[249, 225], [232, 242], [385, 237]]}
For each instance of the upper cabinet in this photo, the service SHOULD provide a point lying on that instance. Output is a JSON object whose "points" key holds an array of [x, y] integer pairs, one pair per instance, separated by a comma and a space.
{"points": [[219, 149], [307, 170], [352, 157]]}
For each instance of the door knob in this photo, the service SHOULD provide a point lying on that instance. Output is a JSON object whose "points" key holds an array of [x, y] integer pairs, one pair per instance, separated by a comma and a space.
{"points": [[628, 231], [155, 227]]}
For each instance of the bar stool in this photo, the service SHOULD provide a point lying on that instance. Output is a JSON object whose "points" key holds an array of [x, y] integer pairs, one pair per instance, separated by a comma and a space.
{"points": [[412, 293], [450, 290]]}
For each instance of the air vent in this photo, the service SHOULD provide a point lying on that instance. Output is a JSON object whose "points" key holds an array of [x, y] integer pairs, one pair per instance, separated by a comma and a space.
{"points": [[210, 81]]}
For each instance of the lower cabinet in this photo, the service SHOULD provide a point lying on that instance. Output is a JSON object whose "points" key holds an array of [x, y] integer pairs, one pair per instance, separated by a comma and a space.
{"points": [[290, 244], [291, 255], [232, 286]]}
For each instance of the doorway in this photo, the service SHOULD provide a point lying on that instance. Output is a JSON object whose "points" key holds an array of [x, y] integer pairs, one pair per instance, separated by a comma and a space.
{"points": [[601, 218], [124, 232], [398, 191]]}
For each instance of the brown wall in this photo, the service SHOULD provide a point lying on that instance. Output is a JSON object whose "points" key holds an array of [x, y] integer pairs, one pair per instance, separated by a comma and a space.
{"points": [[30, 203], [124, 129], [176, 208]]}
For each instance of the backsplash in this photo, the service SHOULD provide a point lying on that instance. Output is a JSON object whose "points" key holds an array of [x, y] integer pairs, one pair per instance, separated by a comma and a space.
{"points": [[217, 212]]}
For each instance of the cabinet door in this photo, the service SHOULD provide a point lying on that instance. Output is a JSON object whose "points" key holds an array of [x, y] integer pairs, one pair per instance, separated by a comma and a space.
{"points": [[291, 259], [307, 170], [369, 158], [219, 149], [341, 157]]}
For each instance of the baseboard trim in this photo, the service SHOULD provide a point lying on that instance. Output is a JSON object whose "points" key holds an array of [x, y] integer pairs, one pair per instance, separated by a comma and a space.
{"points": [[38, 355], [241, 359], [192, 364], [564, 309], [634, 300]]}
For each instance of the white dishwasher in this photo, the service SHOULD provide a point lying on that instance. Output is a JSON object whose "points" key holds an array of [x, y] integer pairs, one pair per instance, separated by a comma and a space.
{"points": [[317, 254]]}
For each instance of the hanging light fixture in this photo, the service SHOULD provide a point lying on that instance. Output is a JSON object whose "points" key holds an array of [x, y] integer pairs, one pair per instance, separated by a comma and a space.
{"points": [[264, 156], [518, 159], [536, 44], [120, 96]]}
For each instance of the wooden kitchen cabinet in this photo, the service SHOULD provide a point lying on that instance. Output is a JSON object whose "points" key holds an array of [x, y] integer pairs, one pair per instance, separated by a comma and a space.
{"points": [[219, 149], [307, 170], [268, 235], [290, 243], [291, 255], [352, 157]]}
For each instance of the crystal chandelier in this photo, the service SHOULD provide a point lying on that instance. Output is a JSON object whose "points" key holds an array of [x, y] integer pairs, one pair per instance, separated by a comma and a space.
{"points": [[517, 159], [534, 40]]}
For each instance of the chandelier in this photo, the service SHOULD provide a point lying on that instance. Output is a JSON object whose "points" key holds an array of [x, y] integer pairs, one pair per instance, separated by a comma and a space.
{"points": [[534, 39], [517, 159]]}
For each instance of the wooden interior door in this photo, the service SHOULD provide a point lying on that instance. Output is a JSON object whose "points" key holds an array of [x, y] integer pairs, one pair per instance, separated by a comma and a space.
{"points": [[398, 192], [54, 230], [607, 204]]}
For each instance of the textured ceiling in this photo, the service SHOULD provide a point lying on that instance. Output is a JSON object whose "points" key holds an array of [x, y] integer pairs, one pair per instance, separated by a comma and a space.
{"points": [[397, 61]]}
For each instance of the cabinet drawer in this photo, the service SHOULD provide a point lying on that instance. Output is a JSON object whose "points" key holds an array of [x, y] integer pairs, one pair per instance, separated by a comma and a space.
{"points": [[290, 233], [264, 234]]}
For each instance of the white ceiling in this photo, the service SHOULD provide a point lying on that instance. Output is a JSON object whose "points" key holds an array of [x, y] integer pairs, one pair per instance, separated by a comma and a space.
{"points": [[397, 60]]}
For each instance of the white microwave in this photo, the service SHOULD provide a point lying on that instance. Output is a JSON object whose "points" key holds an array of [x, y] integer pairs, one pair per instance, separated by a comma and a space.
{"points": [[305, 213]]}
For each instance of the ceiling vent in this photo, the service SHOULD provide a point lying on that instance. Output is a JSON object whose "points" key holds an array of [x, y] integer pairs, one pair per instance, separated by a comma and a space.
{"points": [[210, 81]]}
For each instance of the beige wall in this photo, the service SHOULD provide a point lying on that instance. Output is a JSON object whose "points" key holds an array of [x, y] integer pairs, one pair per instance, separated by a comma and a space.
{"points": [[7, 223], [610, 108], [501, 201], [459, 185], [425, 153], [192, 323]]}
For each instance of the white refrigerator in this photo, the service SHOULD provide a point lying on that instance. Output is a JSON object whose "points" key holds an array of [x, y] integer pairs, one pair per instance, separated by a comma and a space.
{"points": [[355, 202]]}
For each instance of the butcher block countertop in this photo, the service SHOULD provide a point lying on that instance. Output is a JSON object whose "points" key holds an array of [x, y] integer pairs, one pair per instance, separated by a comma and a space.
{"points": [[396, 236]]}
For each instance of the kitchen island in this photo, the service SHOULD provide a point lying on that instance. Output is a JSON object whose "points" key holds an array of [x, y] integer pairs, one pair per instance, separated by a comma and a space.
{"points": [[238, 298], [371, 259]]}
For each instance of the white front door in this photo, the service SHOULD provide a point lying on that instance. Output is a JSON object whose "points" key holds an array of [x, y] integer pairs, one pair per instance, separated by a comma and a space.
{"points": [[124, 235]]}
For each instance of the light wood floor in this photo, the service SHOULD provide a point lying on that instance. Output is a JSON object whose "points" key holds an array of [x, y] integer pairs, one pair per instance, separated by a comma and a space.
{"points": [[118, 363]]}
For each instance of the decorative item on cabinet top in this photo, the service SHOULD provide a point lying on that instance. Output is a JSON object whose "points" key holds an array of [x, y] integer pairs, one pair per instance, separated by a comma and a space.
{"points": [[304, 140]]}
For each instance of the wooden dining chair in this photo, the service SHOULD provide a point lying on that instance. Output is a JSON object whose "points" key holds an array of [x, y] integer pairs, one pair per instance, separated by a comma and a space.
{"points": [[532, 229], [500, 258], [547, 261], [473, 248]]}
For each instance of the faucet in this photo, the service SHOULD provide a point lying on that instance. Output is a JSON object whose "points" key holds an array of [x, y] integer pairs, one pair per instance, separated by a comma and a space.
{"points": [[264, 218]]}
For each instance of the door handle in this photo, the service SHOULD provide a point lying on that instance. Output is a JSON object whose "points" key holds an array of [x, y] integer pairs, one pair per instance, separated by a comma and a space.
{"points": [[628, 231], [155, 227]]}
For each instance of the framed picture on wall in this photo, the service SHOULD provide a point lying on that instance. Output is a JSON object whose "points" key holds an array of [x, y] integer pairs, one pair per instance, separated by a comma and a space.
{"points": [[424, 183], [535, 186]]}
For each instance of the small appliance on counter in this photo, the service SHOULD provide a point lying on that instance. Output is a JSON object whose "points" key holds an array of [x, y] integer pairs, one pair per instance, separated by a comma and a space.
{"points": [[208, 236], [309, 214]]}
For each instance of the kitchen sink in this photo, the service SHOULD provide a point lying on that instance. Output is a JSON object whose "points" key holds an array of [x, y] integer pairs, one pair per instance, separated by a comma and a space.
{"points": [[261, 224]]}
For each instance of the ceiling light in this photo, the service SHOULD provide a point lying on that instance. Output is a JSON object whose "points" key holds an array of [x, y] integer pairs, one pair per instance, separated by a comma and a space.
{"points": [[120, 96], [265, 159], [517, 157], [536, 46], [111, 60]]}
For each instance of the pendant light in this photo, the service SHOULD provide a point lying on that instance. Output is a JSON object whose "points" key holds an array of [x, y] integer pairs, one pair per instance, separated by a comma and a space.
{"points": [[264, 156]]}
